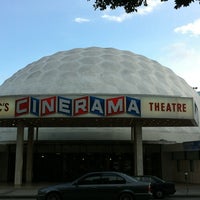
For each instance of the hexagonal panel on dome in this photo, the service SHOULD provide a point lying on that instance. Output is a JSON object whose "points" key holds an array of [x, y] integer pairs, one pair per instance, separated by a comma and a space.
{"points": [[95, 70]]}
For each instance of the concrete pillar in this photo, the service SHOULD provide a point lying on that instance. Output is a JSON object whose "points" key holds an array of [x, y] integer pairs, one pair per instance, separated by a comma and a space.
{"points": [[4, 155], [138, 149], [19, 156], [29, 155]]}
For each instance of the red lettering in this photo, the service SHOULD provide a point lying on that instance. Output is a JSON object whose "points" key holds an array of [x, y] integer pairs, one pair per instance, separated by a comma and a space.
{"points": [[168, 107], [173, 107], [163, 107], [48, 106], [156, 106], [151, 106], [179, 106], [184, 107], [21, 106], [115, 106], [81, 106]]}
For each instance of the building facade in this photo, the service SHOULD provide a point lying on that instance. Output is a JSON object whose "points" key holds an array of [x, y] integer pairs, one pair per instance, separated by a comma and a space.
{"points": [[97, 144]]}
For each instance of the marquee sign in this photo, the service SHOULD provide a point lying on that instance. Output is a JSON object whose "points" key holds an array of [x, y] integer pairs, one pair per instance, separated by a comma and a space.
{"points": [[97, 106]]}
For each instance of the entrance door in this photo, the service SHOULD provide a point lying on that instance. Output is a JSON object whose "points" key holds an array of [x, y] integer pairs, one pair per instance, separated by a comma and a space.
{"points": [[68, 166], [47, 167]]}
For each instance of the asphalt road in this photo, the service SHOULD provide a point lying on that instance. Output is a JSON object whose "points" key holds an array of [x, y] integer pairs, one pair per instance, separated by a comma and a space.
{"points": [[181, 198], [167, 198], [13, 198]]}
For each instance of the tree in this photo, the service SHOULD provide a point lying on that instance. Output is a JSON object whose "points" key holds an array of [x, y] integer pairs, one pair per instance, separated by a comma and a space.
{"points": [[132, 5]]}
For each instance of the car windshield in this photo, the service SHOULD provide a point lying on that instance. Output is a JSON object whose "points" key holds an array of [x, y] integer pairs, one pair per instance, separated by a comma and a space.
{"points": [[150, 179], [157, 179]]}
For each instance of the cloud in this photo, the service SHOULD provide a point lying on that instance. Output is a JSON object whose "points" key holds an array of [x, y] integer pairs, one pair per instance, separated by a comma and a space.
{"points": [[81, 20], [144, 10], [180, 52], [152, 4], [183, 59], [191, 28], [119, 18]]}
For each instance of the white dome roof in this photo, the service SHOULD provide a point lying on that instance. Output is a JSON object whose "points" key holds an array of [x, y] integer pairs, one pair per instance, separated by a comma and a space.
{"points": [[95, 70], [100, 71]]}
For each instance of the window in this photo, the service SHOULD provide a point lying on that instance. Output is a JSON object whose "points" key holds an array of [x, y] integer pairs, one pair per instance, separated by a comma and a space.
{"points": [[102, 179], [192, 155], [192, 165], [178, 166], [89, 180], [112, 179], [179, 155]]}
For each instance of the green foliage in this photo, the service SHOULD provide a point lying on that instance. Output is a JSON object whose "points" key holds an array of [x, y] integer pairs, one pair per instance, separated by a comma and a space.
{"points": [[132, 5], [180, 3]]}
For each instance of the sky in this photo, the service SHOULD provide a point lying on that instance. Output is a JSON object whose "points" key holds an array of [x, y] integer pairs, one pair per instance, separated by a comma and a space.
{"points": [[33, 29]]}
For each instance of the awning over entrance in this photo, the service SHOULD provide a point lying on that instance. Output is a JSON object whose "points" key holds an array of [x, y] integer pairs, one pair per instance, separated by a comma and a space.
{"points": [[96, 122], [97, 111]]}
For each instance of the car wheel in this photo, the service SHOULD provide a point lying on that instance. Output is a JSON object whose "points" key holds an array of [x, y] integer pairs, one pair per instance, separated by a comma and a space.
{"points": [[159, 194], [126, 196], [53, 196]]}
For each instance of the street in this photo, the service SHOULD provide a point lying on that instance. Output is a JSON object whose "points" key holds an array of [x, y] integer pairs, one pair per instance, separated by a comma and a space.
{"points": [[181, 198], [10, 198], [167, 198], [16, 198]]}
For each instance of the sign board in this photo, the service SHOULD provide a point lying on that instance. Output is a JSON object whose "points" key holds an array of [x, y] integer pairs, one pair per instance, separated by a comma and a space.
{"points": [[98, 106]]}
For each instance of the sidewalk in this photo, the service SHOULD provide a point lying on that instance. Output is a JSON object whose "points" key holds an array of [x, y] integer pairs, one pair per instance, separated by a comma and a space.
{"points": [[192, 190], [30, 191], [24, 191]]}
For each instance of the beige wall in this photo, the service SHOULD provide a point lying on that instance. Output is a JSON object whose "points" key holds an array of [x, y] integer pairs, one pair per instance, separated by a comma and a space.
{"points": [[174, 170]]}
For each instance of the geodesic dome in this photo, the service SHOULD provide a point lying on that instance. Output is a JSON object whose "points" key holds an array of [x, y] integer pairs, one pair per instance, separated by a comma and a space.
{"points": [[95, 70]]}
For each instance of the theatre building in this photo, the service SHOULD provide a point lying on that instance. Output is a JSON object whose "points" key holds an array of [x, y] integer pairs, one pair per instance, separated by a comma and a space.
{"points": [[92, 109]]}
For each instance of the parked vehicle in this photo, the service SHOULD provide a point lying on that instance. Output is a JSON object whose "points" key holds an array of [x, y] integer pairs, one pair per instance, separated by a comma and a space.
{"points": [[98, 186], [159, 187]]}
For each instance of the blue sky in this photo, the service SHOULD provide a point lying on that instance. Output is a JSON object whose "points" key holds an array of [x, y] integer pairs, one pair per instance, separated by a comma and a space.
{"points": [[33, 29]]}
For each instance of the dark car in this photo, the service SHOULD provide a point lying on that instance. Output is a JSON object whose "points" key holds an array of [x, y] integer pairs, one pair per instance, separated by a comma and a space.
{"points": [[159, 187], [98, 186]]}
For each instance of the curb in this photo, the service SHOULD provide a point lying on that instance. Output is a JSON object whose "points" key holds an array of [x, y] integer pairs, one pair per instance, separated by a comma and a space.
{"points": [[35, 196], [187, 195], [18, 196]]}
